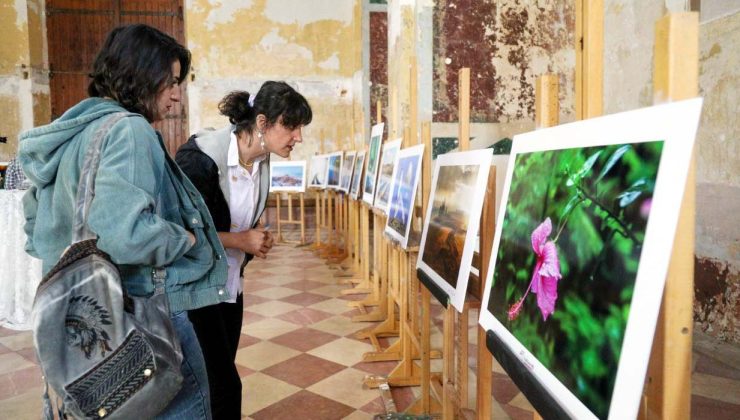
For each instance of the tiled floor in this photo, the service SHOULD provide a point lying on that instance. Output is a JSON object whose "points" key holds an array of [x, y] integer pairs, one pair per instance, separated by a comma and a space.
{"points": [[298, 358]]}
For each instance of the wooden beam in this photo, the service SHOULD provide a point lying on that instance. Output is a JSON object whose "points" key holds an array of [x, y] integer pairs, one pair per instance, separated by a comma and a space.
{"points": [[676, 77], [546, 104], [589, 58]]}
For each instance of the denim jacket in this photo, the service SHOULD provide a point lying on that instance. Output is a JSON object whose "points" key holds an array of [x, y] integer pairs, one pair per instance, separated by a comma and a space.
{"points": [[143, 208]]}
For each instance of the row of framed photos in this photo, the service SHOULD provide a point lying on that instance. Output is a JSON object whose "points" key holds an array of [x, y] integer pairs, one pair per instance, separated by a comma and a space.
{"points": [[586, 215]]}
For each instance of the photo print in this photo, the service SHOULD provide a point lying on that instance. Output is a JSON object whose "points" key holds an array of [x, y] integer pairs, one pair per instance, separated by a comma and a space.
{"points": [[452, 219], [581, 252], [345, 178], [387, 163], [354, 192], [333, 167], [404, 182], [318, 169], [373, 163], [288, 176]]}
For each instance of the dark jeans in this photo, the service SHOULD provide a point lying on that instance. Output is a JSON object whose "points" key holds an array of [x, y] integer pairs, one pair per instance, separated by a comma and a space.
{"points": [[192, 400], [218, 328]]}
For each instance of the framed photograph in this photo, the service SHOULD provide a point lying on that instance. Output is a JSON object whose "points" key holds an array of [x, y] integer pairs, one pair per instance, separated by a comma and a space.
{"points": [[385, 173], [345, 176], [373, 163], [318, 169], [354, 192], [288, 176], [582, 249], [404, 182], [333, 167], [452, 219]]}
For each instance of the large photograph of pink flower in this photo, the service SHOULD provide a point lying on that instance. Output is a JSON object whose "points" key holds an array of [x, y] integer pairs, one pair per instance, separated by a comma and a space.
{"points": [[568, 257]]}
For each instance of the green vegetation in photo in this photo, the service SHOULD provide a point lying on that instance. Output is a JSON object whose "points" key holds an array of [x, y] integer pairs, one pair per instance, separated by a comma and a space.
{"points": [[568, 258]]}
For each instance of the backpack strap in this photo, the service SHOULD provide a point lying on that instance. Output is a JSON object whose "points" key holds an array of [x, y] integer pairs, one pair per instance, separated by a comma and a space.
{"points": [[86, 185]]}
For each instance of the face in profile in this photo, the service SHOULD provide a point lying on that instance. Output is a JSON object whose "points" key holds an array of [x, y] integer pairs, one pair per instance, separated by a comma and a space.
{"points": [[169, 93], [281, 140]]}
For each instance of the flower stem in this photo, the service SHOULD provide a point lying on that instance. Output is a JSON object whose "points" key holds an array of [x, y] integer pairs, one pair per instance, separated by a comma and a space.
{"points": [[625, 231]]}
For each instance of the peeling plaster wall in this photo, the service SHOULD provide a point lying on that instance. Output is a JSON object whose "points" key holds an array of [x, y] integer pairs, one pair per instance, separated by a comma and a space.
{"points": [[629, 36], [628, 54], [401, 46], [507, 44], [24, 82], [717, 304], [315, 46]]}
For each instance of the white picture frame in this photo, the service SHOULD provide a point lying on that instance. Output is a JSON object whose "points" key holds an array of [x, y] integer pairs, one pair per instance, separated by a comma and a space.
{"points": [[317, 171], [404, 183], [288, 176], [345, 176], [385, 174], [333, 169], [357, 177], [461, 178], [373, 163], [675, 126]]}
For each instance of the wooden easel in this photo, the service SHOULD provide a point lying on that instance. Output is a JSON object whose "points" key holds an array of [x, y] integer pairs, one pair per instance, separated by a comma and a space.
{"points": [[668, 386], [370, 282], [667, 393], [291, 220], [403, 290]]}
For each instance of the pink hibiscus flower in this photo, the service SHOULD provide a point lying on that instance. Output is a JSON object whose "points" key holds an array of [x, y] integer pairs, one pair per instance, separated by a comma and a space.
{"points": [[546, 273]]}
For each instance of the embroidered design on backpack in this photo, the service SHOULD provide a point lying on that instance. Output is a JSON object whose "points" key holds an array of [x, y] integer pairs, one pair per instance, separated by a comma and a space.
{"points": [[85, 323]]}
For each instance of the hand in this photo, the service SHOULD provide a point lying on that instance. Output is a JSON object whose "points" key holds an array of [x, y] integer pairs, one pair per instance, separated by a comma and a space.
{"points": [[257, 242]]}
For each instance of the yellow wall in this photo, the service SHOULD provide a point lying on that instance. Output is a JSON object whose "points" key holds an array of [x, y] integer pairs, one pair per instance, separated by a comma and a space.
{"points": [[24, 85], [314, 45]]}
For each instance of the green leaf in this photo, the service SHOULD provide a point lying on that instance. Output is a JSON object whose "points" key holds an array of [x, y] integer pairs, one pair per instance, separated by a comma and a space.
{"points": [[630, 195], [568, 207], [612, 161], [588, 164]]}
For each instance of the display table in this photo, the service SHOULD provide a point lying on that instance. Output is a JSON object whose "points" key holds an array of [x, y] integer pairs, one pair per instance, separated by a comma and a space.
{"points": [[20, 273]]}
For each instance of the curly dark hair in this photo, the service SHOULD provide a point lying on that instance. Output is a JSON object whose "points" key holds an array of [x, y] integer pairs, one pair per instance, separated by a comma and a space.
{"points": [[134, 65], [275, 100]]}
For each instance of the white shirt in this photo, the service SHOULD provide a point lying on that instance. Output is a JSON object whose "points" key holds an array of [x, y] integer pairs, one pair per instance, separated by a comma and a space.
{"points": [[244, 191]]}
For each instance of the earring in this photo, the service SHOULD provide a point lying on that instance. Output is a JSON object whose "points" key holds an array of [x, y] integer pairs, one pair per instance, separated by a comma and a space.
{"points": [[262, 140]]}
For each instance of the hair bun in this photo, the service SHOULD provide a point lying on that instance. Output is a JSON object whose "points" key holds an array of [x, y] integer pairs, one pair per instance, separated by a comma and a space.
{"points": [[236, 107]]}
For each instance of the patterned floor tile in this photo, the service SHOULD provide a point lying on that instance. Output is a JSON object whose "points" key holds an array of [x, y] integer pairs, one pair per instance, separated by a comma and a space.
{"points": [[263, 355], [345, 351], [247, 340], [252, 286], [304, 339], [304, 405], [273, 308], [19, 381], [304, 285], [375, 406], [305, 299], [334, 306], [250, 317], [339, 325], [276, 292], [346, 386], [252, 299], [261, 391], [269, 328], [303, 370], [17, 341], [11, 362], [305, 316]]}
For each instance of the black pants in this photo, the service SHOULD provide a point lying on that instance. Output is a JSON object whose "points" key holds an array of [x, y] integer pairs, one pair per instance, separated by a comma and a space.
{"points": [[218, 328]]}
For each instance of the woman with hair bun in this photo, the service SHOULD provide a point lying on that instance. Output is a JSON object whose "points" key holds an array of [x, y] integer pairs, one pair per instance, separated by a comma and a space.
{"points": [[230, 167]]}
